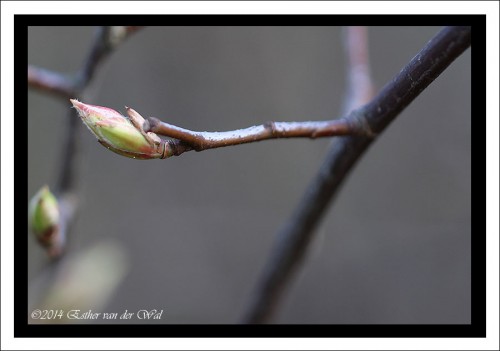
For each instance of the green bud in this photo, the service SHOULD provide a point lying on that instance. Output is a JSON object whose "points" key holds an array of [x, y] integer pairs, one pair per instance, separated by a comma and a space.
{"points": [[44, 216], [122, 135]]}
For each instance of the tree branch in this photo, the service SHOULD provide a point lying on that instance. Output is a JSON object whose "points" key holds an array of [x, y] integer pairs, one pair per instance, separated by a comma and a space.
{"points": [[293, 240]]}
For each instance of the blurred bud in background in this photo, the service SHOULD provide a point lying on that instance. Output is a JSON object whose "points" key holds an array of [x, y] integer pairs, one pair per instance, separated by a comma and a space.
{"points": [[44, 221]]}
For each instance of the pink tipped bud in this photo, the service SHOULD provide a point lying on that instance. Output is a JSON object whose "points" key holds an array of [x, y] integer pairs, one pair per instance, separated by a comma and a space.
{"points": [[120, 134]]}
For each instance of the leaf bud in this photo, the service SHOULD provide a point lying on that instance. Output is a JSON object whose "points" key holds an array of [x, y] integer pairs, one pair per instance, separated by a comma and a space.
{"points": [[122, 135]]}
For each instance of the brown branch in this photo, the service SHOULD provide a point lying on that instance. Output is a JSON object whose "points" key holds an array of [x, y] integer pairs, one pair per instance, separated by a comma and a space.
{"points": [[293, 240], [200, 141]]}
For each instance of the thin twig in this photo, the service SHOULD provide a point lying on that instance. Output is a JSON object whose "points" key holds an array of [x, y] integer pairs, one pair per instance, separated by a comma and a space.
{"points": [[293, 240], [200, 141]]}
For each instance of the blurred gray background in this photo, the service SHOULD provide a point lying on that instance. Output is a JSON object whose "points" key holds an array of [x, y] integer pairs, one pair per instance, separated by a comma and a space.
{"points": [[197, 229]]}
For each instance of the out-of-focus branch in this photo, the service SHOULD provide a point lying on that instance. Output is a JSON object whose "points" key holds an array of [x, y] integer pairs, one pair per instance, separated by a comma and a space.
{"points": [[359, 81], [105, 41], [293, 240], [51, 82]]}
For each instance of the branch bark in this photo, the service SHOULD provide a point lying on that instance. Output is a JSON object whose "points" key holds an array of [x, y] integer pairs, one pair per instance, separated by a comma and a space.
{"points": [[200, 141], [293, 240]]}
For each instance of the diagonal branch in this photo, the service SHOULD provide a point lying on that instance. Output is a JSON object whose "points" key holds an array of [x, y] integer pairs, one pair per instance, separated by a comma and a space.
{"points": [[293, 240]]}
